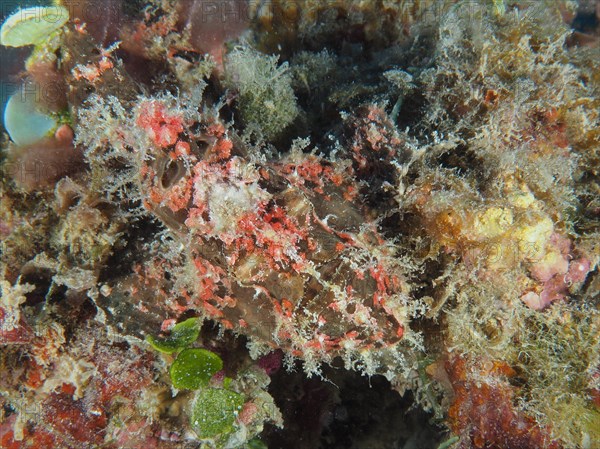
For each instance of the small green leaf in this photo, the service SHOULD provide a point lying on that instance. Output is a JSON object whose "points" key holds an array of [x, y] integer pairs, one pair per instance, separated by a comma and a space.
{"points": [[193, 368], [182, 335], [214, 412]]}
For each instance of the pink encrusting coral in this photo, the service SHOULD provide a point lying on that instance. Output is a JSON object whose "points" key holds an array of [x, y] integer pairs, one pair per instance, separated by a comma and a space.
{"points": [[557, 271]]}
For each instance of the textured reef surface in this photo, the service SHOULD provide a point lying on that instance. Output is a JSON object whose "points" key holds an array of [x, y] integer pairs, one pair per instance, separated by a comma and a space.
{"points": [[300, 224]]}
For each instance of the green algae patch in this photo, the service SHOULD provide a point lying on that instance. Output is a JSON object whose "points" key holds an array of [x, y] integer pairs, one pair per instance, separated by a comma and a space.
{"points": [[182, 335], [214, 412], [194, 367], [32, 26], [256, 444]]}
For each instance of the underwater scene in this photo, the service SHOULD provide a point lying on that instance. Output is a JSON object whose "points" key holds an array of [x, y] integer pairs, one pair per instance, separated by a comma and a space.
{"points": [[300, 224]]}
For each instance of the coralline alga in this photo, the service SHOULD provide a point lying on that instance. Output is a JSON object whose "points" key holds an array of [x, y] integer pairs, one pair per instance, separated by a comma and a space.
{"points": [[406, 189]]}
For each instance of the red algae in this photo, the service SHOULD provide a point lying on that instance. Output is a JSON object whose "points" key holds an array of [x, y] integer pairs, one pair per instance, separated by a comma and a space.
{"points": [[45, 162], [212, 24], [483, 410]]}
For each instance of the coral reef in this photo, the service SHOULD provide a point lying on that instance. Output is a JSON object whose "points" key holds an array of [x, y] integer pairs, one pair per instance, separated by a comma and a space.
{"points": [[251, 224]]}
